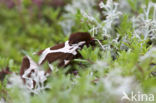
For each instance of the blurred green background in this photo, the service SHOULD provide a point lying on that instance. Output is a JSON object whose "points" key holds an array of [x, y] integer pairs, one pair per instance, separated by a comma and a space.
{"points": [[32, 25]]}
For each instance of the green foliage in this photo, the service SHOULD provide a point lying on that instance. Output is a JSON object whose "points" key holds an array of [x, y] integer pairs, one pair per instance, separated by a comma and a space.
{"points": [[31, 28], [90, 53]]}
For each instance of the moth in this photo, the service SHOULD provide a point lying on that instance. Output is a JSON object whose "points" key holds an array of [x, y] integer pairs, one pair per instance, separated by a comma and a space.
{"points": [[32, 74], [64, 53]]}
